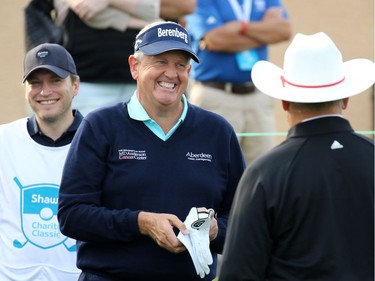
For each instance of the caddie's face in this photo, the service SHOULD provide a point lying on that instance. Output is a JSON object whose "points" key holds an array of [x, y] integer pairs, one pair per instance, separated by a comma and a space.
{"points": [[161, 79], [50, 96]]}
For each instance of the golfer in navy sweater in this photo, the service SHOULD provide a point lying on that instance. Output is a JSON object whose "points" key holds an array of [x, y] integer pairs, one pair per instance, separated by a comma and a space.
{"points": [[135, 170]]}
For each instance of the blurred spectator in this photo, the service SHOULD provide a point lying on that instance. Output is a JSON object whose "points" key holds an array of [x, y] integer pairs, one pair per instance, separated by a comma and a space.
{"points": [[229, 36]]}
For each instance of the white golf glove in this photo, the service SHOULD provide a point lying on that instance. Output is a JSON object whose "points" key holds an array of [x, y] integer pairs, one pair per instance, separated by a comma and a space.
{"points": [[198, 224]]}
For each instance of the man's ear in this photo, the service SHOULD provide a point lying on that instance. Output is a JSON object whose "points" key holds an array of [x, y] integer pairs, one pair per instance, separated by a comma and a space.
{"points": [[76, 85], [345, 103], [133, 64], [285, 105]]}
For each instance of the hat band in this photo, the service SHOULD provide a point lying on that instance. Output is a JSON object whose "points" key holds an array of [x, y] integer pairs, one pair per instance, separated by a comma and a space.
{"points": [[284, 81]]}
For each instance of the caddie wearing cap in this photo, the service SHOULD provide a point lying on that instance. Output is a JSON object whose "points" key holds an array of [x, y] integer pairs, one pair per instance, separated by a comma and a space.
{"points": [[305, 210], [32, 155], [148, 183]]}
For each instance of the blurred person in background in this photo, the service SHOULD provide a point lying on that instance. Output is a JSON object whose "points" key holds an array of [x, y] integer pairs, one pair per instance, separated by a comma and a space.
{"points": [[230, 36]]}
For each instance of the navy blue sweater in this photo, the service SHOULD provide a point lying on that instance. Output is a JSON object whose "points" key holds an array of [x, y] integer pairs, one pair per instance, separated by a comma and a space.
{"points": [[117, 167]]}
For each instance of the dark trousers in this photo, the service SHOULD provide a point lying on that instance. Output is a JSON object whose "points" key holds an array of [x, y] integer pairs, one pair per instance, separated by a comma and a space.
{"points": [[86, 276]]}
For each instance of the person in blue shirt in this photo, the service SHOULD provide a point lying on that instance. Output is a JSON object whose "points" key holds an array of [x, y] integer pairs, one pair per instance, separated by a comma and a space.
{"points": [[229, 36], [135, 170]]}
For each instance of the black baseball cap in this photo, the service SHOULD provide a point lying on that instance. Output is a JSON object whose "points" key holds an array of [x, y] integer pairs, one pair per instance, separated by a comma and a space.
{"points": [[53, 57], [163, 37]]}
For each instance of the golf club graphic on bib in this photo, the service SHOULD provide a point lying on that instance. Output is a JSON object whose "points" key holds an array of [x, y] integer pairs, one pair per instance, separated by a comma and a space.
{"points": [[38, 203]]}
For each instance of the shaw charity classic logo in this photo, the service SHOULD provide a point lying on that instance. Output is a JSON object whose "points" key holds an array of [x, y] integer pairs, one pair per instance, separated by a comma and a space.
{"points": [[39, 217]]}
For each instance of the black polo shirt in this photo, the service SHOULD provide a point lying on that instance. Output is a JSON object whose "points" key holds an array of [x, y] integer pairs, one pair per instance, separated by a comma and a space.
{"points": [[66, 138]]}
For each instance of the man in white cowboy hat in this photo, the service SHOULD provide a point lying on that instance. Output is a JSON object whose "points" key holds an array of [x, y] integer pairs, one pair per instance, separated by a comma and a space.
{"points": [[305, 210]]}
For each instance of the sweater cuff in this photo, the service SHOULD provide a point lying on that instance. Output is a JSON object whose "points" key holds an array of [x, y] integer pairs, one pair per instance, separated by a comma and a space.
{"points": [[133, 222]]}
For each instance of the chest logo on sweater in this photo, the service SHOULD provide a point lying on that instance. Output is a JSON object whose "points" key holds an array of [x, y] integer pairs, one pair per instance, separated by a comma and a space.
{"points": [[129, 154], [199, 156], [38, 209]]}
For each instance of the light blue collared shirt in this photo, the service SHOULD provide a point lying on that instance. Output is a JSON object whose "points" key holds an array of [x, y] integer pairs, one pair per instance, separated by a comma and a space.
{"points": [[137, 112]]}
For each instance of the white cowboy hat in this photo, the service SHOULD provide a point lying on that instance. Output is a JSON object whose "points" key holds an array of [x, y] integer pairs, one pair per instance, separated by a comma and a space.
{"points": [[313, 72]]}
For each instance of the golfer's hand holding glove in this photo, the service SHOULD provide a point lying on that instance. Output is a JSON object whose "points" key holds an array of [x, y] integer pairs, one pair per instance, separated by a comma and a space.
{"points": [[198, 223]]}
